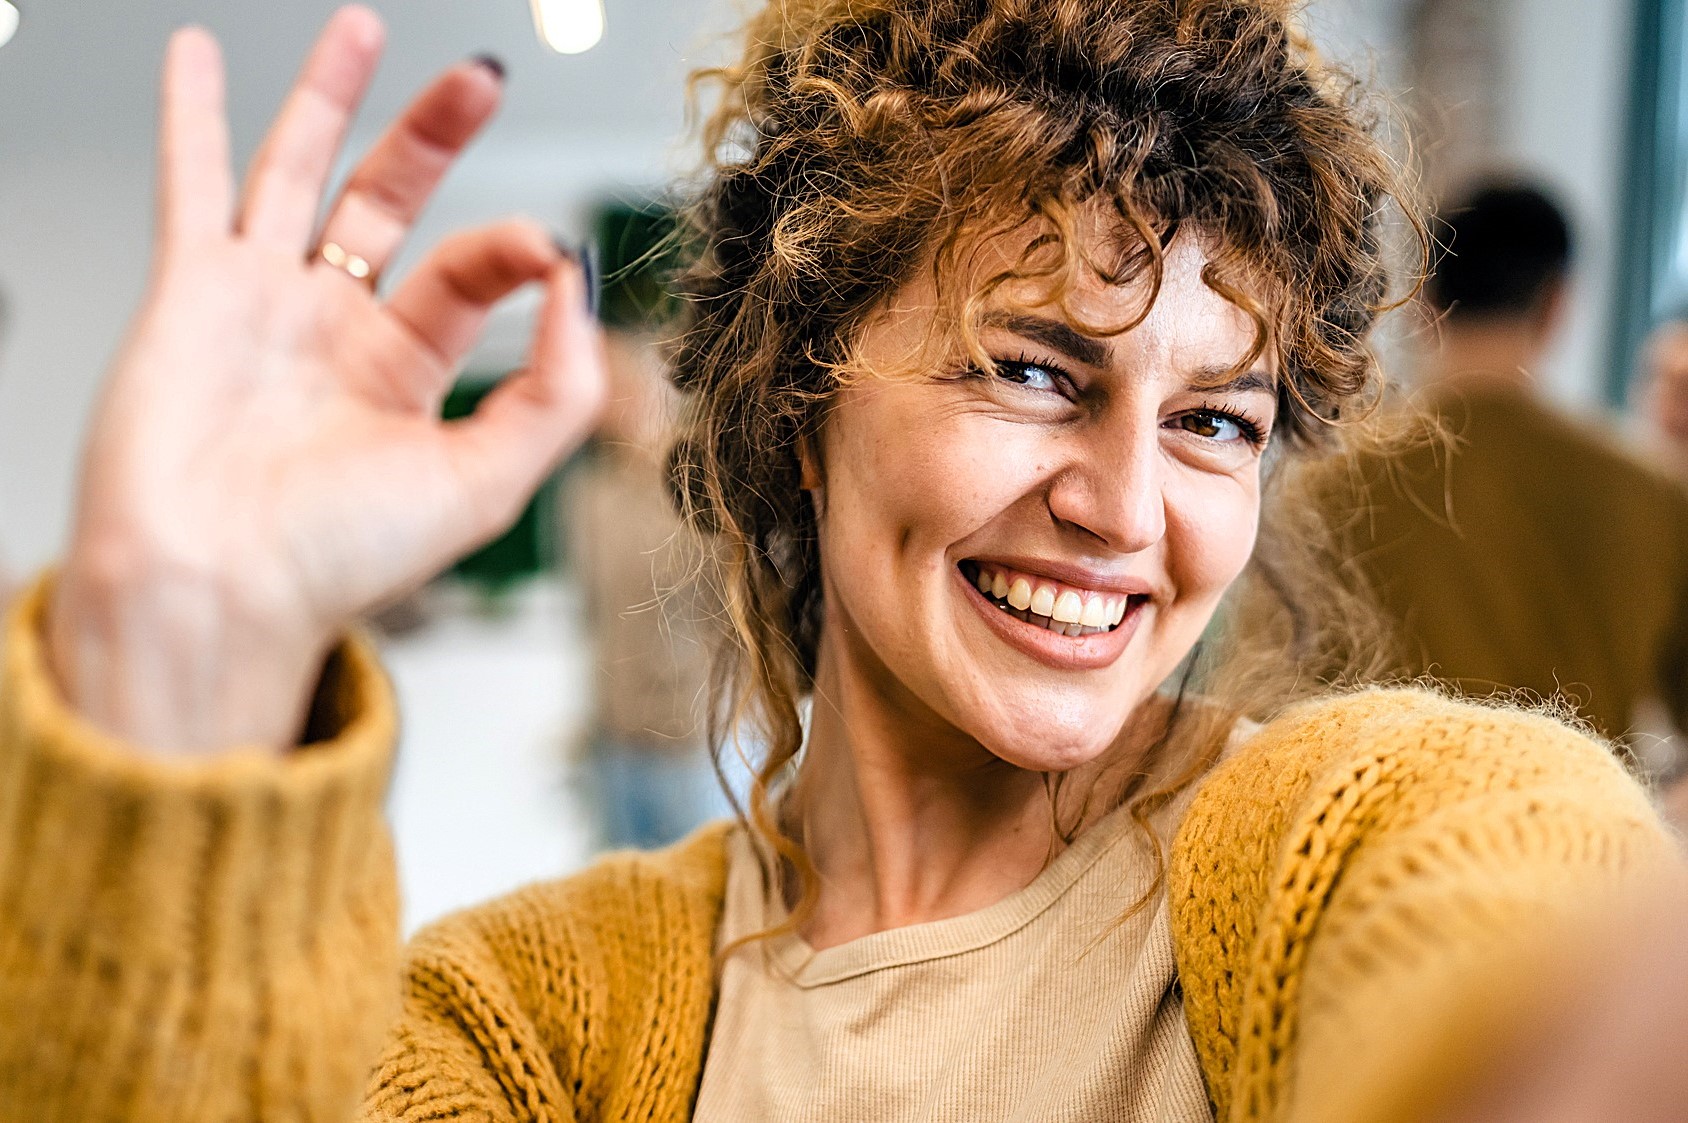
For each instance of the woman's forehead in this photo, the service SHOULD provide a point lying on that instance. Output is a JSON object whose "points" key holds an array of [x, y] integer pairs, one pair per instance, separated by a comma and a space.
{"points": [[1099, 262], [1172, 307]]}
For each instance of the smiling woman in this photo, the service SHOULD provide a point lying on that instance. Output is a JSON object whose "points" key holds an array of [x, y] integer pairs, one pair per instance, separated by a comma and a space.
{"points": [[1031, 289], [1001, 313]]}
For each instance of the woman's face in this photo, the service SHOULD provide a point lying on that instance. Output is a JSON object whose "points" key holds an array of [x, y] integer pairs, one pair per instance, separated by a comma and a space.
{"points": [[1023, 557]]}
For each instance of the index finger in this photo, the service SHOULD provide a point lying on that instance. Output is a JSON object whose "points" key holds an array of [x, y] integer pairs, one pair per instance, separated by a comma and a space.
{"points": [[195, 184]]}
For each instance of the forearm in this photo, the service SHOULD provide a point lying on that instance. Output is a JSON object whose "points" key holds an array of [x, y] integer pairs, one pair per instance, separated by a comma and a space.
{"points": [[194, 940]]}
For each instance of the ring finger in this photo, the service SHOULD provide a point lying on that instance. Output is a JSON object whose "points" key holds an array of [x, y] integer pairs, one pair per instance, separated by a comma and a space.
{"points": [[392, 184]]}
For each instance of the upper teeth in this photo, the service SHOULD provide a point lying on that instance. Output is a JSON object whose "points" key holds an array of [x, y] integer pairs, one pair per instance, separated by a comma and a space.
{"points": [[1062, 604]]}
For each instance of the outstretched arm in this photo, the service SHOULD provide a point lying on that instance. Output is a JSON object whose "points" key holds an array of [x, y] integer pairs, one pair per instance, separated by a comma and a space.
{"points": [[197, 905], [1365, 886]]}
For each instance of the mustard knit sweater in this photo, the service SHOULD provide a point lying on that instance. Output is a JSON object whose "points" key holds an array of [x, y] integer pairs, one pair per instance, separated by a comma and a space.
{"points": [[217, 941]]}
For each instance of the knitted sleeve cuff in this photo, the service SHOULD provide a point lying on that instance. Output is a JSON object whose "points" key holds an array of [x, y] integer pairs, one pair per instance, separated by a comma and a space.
{"points": [[176, 933]]}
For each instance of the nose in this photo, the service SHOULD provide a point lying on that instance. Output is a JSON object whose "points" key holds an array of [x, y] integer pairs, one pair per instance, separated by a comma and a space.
{"points": [[1112, 488]]}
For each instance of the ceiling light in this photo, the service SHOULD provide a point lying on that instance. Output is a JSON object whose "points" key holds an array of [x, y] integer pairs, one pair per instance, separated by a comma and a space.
{"points": [[566, 26], [8, 21]]}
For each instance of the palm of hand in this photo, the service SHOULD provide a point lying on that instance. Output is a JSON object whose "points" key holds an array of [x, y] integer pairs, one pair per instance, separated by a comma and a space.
{"points": [[274, 418]]}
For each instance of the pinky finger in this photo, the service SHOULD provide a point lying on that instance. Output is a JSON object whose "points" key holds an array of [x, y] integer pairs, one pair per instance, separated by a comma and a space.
{"points": [[538, 415], [196, 185]]}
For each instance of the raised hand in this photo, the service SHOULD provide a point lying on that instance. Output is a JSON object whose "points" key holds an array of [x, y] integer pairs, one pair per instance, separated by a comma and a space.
{"points": [[267, 462]]}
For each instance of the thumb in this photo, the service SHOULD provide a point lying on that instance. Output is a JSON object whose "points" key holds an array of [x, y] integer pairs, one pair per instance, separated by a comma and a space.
{"points": [[537, 416]]}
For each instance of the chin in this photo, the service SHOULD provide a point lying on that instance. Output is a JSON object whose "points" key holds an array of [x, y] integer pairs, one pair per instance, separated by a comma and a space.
{"points": [[1039, 737]]}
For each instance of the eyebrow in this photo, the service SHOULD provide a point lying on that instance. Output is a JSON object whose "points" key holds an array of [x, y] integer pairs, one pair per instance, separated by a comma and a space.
{"points": [[1063, 337], [1238, 384], [1058, 335]]}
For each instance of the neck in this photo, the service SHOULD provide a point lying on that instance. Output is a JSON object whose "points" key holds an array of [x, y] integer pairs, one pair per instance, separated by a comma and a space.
{"points": [[906, 819], [1502, 352]]}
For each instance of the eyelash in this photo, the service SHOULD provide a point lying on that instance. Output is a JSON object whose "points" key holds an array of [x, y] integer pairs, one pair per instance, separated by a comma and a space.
{"points": [[1253, 432], [1057, 373]]}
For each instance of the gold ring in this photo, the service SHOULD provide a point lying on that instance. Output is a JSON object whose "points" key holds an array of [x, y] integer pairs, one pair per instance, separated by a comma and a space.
{"points": [[358, 268]]}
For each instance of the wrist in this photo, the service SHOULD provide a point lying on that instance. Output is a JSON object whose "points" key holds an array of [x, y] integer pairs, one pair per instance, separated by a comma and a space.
{"points": [[170, 658]]}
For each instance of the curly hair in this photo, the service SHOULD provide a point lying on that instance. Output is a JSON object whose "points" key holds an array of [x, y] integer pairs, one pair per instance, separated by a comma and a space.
{"points": [[858, 142]]}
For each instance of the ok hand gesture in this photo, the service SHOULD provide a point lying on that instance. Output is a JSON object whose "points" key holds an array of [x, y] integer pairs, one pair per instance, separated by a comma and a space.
{"points": [[267, 462]]}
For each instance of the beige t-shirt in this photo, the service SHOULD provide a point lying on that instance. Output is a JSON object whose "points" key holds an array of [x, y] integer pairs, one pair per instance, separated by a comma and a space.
{"points": [[1040, 1008]]}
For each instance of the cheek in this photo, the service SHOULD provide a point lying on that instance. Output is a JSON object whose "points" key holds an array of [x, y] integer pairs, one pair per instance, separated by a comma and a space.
{"points": [[1211, 526], [921, 487]]}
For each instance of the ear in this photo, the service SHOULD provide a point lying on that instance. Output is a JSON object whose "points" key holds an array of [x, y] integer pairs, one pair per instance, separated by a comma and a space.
{"points": [[808, 465]]}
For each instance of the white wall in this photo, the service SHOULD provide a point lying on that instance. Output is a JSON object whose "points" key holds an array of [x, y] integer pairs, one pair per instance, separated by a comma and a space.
{"points": [[71, 264], [1567, 88]]}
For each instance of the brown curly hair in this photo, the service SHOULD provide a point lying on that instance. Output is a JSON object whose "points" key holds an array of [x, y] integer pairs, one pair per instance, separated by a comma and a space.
{"points": [[858, 142]]}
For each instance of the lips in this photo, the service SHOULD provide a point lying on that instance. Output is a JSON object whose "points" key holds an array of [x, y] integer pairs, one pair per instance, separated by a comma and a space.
{"points": [[1064, 624]]}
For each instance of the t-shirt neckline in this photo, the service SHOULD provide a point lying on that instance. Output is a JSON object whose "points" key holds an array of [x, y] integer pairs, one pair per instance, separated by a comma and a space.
{"points": [[805, 967]]}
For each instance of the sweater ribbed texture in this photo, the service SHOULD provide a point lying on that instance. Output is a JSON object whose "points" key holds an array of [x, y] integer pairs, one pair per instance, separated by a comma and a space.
{"points": [[190, 940], [215, 941], [582, 999]]}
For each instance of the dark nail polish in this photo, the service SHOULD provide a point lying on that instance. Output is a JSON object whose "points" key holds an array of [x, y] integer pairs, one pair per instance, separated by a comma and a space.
{"points": [[492, 63], [584, 255], [588, 255]]}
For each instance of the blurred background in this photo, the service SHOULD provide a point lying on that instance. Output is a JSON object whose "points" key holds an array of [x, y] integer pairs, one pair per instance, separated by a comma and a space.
{"points": [[512, 746]]}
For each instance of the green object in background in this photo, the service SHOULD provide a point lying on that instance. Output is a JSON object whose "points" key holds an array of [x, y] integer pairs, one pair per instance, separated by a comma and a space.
{"points": [[638, 253]]}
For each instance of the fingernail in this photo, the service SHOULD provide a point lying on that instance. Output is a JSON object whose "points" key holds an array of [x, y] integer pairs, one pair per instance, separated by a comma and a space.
{"points": [[584, 255], [588, 254], [492, 63]]}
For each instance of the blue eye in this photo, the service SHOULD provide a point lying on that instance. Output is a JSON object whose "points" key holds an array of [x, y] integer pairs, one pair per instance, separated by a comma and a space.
{"points": [[1030, 375]]}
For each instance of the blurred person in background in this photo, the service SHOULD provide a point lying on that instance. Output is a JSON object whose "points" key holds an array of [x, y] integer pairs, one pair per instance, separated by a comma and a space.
{"points": [[1527, 550], [649, 589], [1663, 398], [996, 311]]}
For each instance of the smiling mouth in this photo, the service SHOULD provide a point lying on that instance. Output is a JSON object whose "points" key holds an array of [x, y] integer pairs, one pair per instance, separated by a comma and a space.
{"points": [[1063, 609]]}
